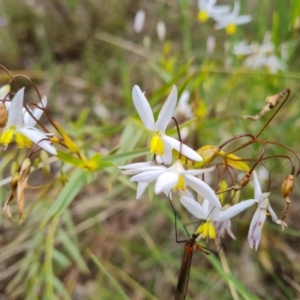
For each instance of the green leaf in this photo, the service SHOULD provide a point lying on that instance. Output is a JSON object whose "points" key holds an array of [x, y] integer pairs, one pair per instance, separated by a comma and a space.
{"points": [[72, 248], [78, 179], [69, 158]]}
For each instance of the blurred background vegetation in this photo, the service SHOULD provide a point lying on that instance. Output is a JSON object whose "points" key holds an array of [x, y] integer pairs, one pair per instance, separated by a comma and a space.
{"points": [[86, 57]]}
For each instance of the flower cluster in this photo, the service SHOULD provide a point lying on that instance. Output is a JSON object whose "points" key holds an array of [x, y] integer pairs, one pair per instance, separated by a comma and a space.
{"points": [[18, 122], [260, 55], [222, 14], [175, 169]]}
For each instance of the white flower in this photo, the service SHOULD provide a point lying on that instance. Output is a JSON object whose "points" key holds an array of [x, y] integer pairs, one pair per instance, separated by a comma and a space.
{"points": [[161, 145], [25, 133], [183, 108], [4, 90], [260, 55], [211, 213], [260, 215], [242, 48], [161, 30], [232, 19], [139, 20], [208, 8], [174, 178]]}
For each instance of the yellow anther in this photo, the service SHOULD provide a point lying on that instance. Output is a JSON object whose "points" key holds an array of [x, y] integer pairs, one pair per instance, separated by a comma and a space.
{"points": [[207, 229], [230, 29], [157, 145], [180, 184], [7, 136], [23, 141], [202, 16]]}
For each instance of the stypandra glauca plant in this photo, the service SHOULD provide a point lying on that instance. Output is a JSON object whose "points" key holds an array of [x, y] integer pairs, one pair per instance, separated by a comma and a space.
{"points": [[34, 148], [209, 182]]}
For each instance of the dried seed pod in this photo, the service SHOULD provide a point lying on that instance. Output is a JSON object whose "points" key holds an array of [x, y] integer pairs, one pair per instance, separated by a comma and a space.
{"points": [[270, 102], [3, 116], [286, 189]]}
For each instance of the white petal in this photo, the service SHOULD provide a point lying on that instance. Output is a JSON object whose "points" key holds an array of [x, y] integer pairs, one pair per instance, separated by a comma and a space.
{"points": [[203, 189], [195, 172], [242, 20], [166, 158], [139, 20], [234, 210], [220, 9], [143, 108], [136, 168], [257, 188], [4, 90], [147, 176], [193, 207], [256, 227], [37, 113], [167, 111], [165, 182], [15, 114], [161, 30], [39, 138], [138, 165], [185, 150], [273, 214], [141, 189]]}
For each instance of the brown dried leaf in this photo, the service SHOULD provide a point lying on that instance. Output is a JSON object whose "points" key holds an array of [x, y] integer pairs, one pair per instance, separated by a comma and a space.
{"points": [[24, 175]]}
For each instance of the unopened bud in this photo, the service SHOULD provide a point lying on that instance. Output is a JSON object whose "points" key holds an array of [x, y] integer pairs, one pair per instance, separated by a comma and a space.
{"points": [[25, 168], [14, 181], [3, 116], [245, 179], [287, 186], [208, 153]]}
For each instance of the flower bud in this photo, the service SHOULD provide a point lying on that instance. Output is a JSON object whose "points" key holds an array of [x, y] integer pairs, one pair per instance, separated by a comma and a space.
{"points": [[287, 186], [208, 153], [245, 179]]}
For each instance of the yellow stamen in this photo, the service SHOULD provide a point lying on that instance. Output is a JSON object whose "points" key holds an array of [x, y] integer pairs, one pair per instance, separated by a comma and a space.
{"points": [[202, 16], [207, 229], [23, 141], [230, 29], [7, 135], [157, 145], [180, 184]]}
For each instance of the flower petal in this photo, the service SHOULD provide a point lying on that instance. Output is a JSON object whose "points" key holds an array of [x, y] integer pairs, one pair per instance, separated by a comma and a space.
{"points": [[39, 138], [166, 158], [203, 189], [185, 150], [143, 108], [4, 90], [15, 114], [37, 113], [193, 207], [257, 188], [167, 111], [147, 176], [234, 210], [141, 189], [255, 228], [165, 182]]}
